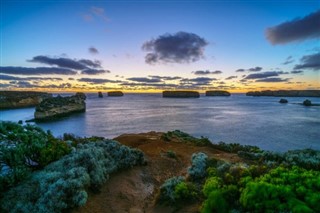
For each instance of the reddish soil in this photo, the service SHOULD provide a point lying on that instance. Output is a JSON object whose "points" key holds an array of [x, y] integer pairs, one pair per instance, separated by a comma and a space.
{"points": [[135, 190]]}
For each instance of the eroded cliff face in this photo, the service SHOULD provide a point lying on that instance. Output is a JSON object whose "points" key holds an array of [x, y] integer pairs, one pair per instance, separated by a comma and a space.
{"points": [[21, 99], [60, 106], [286, 93], [180, 94], [115, 93]]}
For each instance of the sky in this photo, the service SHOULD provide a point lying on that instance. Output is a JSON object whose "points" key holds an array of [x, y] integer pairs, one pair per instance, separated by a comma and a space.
{"points": [[153, 45]]}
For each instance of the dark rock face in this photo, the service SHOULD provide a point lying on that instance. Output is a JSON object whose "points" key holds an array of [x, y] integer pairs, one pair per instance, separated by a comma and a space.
{"points": [[100, 95], [180, 94], [217, 93], [60, 106], [20, 99], [283, 101], [115, 93], [307, 102], [286, 93]]}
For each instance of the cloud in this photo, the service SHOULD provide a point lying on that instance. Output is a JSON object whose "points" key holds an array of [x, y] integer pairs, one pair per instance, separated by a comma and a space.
{"points": [[311, 62], [255, 69], [97, 80], [71, 79], [197, 81], [14, 78], [145, 80], [272, 80], [146, 84], [66, 62], [99, 12], [288, 60], [165, 78], [240, 70], [264, 75], [36, 71], [206, 72], [298, 29], [231, 77], [93, 50], [94, 71], [181, 47], [296, 72]]}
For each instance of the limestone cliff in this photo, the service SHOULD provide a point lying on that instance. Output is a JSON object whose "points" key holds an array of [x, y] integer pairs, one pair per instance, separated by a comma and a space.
{"points": [[20, 99], [180, 94], [217, 93], [286, 93]]}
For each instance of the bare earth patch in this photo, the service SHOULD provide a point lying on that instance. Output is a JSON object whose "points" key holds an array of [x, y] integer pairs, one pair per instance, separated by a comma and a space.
{"points": [[135, 190]]}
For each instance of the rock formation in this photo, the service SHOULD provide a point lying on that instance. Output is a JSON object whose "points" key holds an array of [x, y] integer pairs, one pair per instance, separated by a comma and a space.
{"points": [[286, 93], [100, 95], [307, 102], [20, 99], [283, 101], [52, 108], [217, 93], [180, 94], [115, 93]]}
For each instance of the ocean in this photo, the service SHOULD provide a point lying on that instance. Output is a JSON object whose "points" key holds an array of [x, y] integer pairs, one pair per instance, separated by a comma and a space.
{"points": [[259, 121]]}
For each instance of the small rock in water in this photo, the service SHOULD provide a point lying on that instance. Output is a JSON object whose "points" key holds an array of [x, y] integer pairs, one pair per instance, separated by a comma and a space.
{"points": [[283, 101], [307, 102], [100, 95]]}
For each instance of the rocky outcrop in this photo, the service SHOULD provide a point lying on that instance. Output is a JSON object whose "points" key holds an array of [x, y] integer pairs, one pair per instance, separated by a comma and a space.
{"points": [[180, 94], [307, 102], [286, 93], [100, 95], [283, 101], [115, 93], [59, 106], [217, 93], [20, 99]]}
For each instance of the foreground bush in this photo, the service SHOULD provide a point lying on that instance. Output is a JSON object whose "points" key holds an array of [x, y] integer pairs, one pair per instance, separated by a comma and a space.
{"points": [[24, 149], [63, 184], [185, 138], [198, 168]]}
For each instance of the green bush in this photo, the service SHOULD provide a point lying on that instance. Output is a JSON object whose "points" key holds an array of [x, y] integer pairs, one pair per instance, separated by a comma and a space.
{"points": [[167, 190], [283, 190], [63, 184], [185, 138]]}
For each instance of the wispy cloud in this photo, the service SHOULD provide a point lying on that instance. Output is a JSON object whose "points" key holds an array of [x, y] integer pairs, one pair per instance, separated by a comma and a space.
{"points": [[288, 60], [94, 71], [311, 62], [97, 80], [272, 80], [206, 72], [255, 69], [298, 29], [93, 50], [181, 47], [231, 77], [37, 71], [142, 79]]}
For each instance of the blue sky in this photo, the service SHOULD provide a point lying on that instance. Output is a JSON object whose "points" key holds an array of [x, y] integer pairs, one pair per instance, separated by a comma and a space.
{"points": [[235, 32]]}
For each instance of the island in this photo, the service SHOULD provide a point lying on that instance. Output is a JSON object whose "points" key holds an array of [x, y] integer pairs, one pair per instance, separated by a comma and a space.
{"points": [[286, 93], [59, 106], [115, 93], [217, 93], [21, 99], [100, 95], [180, 94]]}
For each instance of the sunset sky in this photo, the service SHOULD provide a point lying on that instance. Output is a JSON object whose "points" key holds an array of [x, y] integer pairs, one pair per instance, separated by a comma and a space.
{"points": [[150, 46]]}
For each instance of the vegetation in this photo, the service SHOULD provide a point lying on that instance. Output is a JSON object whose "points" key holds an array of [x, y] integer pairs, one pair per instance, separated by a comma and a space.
{"points": [[64, 183], [185, 138], [265, 181]]}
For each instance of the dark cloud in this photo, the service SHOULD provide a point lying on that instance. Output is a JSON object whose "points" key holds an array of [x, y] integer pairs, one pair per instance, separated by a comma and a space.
{"points": [[265, 75], [14, 78], [298, 29], [145, 80], [197, 81], [93, 50], [66, 62], [271, 80], [231, 77], [240, 70], [165, 78], [97, 80], [94, 71], [146, 84], [181, 47], [37, 71], [311, 62], [71, 79], [255, 69], [296, 72], [206, 72], [288, 60]]}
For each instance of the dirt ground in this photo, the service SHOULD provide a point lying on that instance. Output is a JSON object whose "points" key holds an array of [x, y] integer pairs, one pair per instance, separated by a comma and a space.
{"points": [[135, 190]]}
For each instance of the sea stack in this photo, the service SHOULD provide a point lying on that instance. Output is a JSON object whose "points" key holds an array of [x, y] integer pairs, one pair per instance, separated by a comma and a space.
{"points": [[55, 107], [286, 93], [115, 93], [283, 101], [307, 102], [217, 93], [100, 95], [180, 94], [20, 99]]}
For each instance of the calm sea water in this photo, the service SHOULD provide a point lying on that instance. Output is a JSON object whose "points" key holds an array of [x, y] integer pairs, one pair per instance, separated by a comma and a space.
{"points": [[259, 121]]}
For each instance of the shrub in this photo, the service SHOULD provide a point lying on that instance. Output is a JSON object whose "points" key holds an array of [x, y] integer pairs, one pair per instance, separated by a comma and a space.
{"points": [[62, 184], [198, 168], [171, 154], [167, 190], [185, 138]]}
